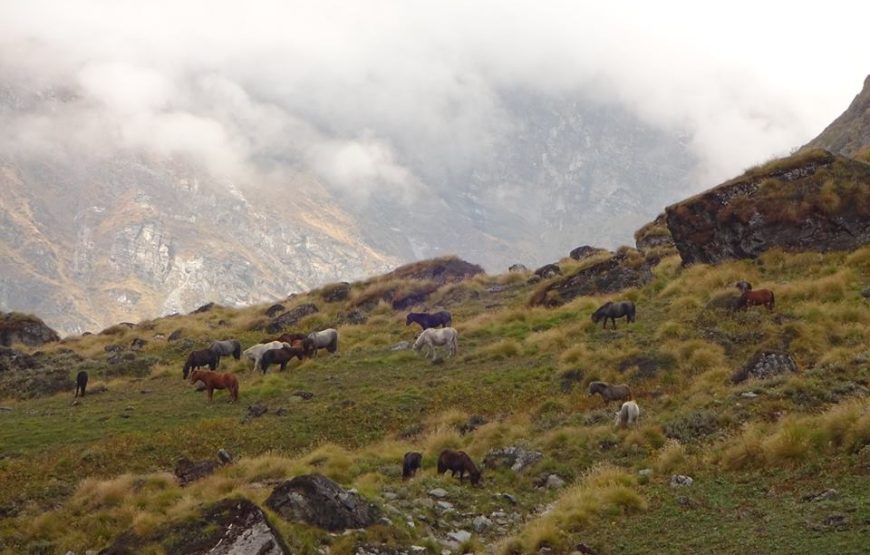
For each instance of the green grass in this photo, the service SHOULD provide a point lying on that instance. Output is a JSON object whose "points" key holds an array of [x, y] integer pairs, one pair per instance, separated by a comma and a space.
{"points": [[801, 433]]}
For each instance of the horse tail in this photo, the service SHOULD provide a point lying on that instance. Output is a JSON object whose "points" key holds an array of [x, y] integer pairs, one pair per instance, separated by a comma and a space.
{"points": [[234, 388], [448, 319], [265, 361], [771, 301], [187, 366], [631, 311], [237, 352]]}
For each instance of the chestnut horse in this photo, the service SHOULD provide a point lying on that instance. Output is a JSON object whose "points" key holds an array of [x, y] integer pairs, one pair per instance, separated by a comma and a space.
{"points": [[749, 297], [458, 461], [217, 380]]}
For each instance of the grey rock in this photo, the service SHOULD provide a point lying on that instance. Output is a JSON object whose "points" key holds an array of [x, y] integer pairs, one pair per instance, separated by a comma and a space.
{"points": [[460, 536], [224, 457], [481, 523], [766, 364], [645, 472], [749, 395], [821, 496], [444, 505], [401, 346], [680, 480], [439, 493], [516, 458], [554, 482], [318, 501], [188, 471]]}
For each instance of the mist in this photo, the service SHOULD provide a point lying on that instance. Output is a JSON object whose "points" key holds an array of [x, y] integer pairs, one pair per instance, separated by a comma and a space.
{"points": [[365, 95]]}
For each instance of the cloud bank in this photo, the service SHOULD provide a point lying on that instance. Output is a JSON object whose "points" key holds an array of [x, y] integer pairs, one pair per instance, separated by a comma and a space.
{"points": [[365, 94]]}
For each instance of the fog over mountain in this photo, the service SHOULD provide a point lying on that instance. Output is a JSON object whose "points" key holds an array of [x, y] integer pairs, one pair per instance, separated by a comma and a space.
{"points": [[156, 156]]}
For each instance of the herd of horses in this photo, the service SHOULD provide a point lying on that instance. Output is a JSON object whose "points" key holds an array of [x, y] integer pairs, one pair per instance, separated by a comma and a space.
{"points": [[436, 332]]}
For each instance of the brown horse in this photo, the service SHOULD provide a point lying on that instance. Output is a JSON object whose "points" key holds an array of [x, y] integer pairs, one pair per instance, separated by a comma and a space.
{"points": [[752, 298], [458, 461], [217, 380], [198, 359]]}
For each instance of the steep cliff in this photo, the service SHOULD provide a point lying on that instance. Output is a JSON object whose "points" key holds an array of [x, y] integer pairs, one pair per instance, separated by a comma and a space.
{"points": [[813, 201], [849, 133]]}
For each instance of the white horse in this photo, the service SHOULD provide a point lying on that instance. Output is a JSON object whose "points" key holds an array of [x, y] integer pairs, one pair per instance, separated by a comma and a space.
{"points": [[437, 337], [627, 414], [256, 352], [325, 339]]}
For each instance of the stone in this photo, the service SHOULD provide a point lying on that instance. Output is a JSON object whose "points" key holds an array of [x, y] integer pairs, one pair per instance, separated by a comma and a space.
{"points": [[305, 395], [766, 364], [460, 536], [335, 292], [256, 411], [510, 498], [439, 493], [554, 482], [474, 422], [318, 501], [645, 472], [138, 344], [518, 268], [444, 505], [585, 251], [752, 213], [224, 457], [188, 471], [113, 348], [548, 271], [174, 336], [680, 480], [749, 395], [289, 318], [516, 458], [204, 308], [481, 523], [16, 327], [274, 310], [401, 346], [821, 496], [232, 526]]}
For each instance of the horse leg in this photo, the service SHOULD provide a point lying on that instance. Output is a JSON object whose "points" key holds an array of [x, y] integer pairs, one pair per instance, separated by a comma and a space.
{"points": [[210, 393]]}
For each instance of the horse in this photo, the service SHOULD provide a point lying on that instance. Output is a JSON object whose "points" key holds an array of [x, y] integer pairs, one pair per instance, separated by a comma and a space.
{"points": [[411, 463], [198, 359], [227, 347], [81, 383], [291, 337], [613, 311], [458, 461], [752, 298], [324, 339], [426, 321], [627, 414], [743, 285], [609, 392], [433, 337], [255, 352], [217, 380], [298, 341], [281, 356]]}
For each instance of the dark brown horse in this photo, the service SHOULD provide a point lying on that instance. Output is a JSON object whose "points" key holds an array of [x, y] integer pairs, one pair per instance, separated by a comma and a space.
{"points": [[280, 356], [748, 297], [412, 462], [612, 311], [458, 461], [217, 380], [198, 359], [81, 383], [426, 320]]}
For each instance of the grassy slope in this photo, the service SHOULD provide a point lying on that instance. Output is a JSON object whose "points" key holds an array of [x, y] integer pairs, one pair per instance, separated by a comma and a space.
{"points": [[74, 477]]}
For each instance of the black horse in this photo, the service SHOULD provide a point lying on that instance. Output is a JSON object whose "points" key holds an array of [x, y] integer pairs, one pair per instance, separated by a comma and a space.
{"points": [[613, 311], [412, 462], [81, 383], [198, 359], [281, 356], [427, 320]]}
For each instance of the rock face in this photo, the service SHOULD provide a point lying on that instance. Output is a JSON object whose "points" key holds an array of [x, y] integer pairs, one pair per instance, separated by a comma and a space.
{"points": [[229, 527], [766, 364], [440, 270], [654, 236], [849, 132], [318, 501], [627, 268], [515, 458], [287, 319], [188, 471], [813, 201], [24, 328]]}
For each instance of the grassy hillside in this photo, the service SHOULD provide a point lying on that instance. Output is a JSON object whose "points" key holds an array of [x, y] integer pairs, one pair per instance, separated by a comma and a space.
{"points": [[74, 477]]}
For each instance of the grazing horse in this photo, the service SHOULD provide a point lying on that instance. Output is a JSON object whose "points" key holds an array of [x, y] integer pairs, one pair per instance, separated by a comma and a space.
{"points": [[217, 380], [281, 356], [291, 337], [255, 353], [749, 297], [324, 339], [426, 321], [81, 383], [412, 462], [609, 392], [627, 414], [198, 359], [458, 461], [613, 311], [431, 338], [227, 347]]}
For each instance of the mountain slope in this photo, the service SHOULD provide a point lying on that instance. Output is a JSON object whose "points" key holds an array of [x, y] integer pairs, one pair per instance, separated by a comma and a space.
{"points": [[850, 132]]}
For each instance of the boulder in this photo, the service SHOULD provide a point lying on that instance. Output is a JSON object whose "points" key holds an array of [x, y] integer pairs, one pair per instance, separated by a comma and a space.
{"points": [[16, 327], [204, 308], [585, 251], [289, 318], [548, 271], [627, 268], [229, 527], [811, 201], [188, 471], [174, 336], [318, 501], [274, 310], [335, 292], [518, 269], [655, 236], [137, 344], [766, 364], [443, 270], [516, 458]]}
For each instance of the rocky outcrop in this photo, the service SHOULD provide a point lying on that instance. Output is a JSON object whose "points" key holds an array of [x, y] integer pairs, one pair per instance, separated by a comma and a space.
{"points": [[813, 201], [335, 292], [627, 268], [188, 471], [515, 458], [289, 318], [318, 501], [24, 328], [585, 251], [850, 132], [655, 236], [439, 270], [229, 527], [766, 364]]}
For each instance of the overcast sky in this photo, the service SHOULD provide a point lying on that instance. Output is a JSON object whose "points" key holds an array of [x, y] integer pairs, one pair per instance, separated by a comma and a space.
{"points": [[334, 88]]}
